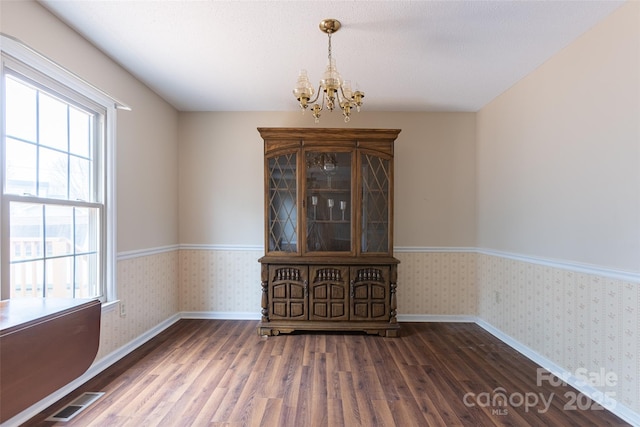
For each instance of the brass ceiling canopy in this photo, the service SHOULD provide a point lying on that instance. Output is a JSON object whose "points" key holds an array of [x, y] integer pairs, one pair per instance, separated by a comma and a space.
{"points": [[334, 90], [329, 26]]}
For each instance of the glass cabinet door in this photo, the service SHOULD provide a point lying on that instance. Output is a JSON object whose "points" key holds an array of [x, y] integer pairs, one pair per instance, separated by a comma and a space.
{"points": [[282, 206], [376, 183], [328, 201]]}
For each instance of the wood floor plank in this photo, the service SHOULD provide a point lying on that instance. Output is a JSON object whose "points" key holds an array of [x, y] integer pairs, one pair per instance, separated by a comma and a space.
{"points": [[304, 397], [344, 356], [273, 385], [205, 416], [369, 384], [271, 415], [221, 373], [319, 391], [389, 374], [172, 408], [403, 412], [383, 413], [291, 393], [435, 409], [250, 384], [335, 412], [350, 410], [333, 380]]}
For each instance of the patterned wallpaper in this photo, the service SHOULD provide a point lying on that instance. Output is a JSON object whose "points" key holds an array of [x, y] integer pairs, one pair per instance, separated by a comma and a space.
{"points": [[229, 281], [574, 319], [440, 283], [577, 320], [220, 281], [147, 287]]}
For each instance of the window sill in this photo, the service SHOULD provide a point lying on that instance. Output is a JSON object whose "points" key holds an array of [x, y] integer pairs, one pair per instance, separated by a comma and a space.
{"points": [[109, 306]]}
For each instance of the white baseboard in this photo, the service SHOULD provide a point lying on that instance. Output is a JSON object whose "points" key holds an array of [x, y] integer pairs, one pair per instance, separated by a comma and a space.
{"points": [[232, 315], [220, 315], [451, 318]]}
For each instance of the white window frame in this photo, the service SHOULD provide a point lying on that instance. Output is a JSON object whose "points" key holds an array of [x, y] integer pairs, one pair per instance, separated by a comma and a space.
{"points": [[14, 55]]}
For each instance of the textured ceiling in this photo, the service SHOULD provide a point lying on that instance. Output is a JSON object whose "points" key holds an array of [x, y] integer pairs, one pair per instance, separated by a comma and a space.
{"points": [[405, 55]]}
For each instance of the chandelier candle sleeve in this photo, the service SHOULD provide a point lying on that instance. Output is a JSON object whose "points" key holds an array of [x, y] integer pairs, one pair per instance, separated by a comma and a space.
{"points": [[332, 88]]}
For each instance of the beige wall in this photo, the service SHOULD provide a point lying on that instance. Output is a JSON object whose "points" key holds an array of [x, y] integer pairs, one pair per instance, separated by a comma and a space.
{"points": [[559, 154], [147, 173], [221, 175], [559, 179], [147, 166]]}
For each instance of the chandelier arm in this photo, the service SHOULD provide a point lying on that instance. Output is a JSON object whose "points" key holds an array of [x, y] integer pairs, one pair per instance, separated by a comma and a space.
{"points": [[317, 95]]}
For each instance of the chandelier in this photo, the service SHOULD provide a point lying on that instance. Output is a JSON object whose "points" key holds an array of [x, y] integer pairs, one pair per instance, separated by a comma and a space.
{"points": [[333, 89]]}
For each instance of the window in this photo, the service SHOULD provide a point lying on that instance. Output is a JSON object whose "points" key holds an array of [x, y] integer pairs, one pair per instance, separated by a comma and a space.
{"points": [[57, 181]]}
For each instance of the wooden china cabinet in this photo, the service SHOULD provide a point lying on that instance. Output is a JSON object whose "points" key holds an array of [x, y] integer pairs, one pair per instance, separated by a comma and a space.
{"points": [[328, 262]]}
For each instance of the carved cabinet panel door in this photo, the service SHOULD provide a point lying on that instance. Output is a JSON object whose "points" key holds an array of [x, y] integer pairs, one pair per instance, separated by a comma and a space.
{"points": [[369, 292], [328, 294], [288, 292]]}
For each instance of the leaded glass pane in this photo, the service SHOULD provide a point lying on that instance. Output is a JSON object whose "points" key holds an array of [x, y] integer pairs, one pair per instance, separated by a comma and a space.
{"points": [[283, 219], [328, 191], [375, 204]]}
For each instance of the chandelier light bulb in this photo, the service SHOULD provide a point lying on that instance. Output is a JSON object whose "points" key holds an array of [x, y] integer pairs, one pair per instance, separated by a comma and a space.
{"points": [[331, 78], [303, 90], [346, 89]]}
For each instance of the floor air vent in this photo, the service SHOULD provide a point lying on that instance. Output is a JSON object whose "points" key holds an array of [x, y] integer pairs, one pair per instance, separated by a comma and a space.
{"points": [[74, 408]]}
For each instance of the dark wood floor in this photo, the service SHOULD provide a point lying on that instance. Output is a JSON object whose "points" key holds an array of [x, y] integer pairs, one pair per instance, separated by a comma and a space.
{"points": [[221, 373]]}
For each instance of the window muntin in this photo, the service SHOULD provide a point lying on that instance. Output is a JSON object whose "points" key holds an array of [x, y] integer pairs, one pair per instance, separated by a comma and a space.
{"points": [[53, 189]]}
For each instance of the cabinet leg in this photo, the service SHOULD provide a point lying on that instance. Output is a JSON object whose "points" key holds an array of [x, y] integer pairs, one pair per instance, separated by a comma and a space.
{"points": [[264, 302], [267, 332], [393, 305], [392, 333]]}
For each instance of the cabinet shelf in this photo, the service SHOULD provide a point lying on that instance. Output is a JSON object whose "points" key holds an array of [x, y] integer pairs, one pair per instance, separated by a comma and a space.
{"points": [[312, 190]]}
